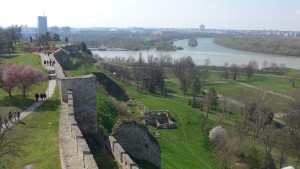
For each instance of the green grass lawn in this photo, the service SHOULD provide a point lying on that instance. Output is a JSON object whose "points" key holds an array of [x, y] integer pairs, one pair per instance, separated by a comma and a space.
{"points": [[17, 102], [39, 136], [279, 85]]}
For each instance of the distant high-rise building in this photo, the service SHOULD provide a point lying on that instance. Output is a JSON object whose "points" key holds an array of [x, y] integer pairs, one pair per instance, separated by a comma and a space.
{"points": [[54, 29], [66, 30], [42, 25], [202, 28]]}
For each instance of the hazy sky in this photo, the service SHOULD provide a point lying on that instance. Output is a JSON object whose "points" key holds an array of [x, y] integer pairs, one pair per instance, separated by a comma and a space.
{"points": [[224, 14]]}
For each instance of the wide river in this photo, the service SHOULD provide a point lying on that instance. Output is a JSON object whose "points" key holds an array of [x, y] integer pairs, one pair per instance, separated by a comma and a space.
{"points": [[206, 49]]}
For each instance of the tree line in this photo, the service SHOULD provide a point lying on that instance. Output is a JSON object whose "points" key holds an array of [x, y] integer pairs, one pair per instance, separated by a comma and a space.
{"points": [[135, 41], [278, 45], [8, 38]]}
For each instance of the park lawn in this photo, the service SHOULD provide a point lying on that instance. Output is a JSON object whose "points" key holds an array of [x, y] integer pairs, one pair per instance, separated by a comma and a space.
{"points": [[173, 85], [30, 59], [276, 84], [230, 89], [17, 102], [213, 77], [39, 136]]}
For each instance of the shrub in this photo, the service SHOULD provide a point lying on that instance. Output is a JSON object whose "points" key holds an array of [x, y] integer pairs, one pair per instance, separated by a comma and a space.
{"points": [[217, 135]]}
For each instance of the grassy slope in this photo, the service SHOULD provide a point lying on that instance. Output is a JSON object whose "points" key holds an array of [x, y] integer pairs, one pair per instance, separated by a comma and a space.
{"points": [[185, 147], [39, 133]]}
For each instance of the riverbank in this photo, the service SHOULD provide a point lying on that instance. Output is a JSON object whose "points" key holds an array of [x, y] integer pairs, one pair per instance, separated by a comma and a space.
{"points": [[285, 46], [206, 49]]}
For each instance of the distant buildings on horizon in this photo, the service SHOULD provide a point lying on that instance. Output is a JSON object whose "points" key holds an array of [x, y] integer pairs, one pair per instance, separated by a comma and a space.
{"points": [[42, 28]]}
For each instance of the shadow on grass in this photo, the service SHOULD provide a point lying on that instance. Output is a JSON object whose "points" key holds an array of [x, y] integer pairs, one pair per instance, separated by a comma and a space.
{"points": [[8, 57], [112, 87], [49, 105], [16, 101]]}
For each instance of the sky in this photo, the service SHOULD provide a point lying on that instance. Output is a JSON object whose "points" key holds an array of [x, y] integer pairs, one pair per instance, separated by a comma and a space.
{"points": [[218, 14]]}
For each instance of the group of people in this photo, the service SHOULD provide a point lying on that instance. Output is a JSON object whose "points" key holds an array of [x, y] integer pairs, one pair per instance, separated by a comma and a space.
{"points": [[12, 116], [49, 62], [42, 96]]}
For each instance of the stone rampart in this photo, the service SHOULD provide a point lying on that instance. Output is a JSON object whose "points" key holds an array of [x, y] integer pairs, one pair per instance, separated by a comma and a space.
{"points": [[82, 149], [84, 101], [120, 155], [138, 142]]}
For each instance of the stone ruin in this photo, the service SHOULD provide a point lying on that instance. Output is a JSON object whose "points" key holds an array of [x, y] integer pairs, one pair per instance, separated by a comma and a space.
{"points": [[160, 119]]}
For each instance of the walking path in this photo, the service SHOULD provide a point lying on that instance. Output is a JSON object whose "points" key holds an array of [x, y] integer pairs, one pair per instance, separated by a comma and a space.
{"points": [[49, 92], [267, 91]]}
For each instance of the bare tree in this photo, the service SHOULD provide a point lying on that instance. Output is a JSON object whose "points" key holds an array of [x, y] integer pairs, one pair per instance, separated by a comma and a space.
{"points": [[204, 71], [207, 105], [225, 103], [9, 148], [292, 76], [234, 71], [251, 68], [260, 114]]}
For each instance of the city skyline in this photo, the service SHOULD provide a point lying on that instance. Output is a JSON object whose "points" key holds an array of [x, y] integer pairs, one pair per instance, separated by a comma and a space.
{"points": [[220, 14]]}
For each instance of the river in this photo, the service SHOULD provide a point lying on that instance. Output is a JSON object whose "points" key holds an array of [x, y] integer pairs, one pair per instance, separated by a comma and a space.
{"points": [[206, 49]]}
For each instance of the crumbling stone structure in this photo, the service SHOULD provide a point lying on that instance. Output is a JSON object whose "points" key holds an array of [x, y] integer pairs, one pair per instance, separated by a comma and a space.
{"points": [[159, 119], [138, 142], [84, 101]]}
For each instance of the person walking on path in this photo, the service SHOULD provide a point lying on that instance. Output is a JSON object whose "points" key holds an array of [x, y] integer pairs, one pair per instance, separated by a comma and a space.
{"points": [[45, 96], [42, 96], [36, 96], [18, 115]]}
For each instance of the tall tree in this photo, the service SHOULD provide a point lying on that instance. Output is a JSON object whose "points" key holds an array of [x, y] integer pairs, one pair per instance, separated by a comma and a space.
{"points": [[213, 97], [8, 74], [293, 76], [9, 149], [26, 77], [234, 71]]}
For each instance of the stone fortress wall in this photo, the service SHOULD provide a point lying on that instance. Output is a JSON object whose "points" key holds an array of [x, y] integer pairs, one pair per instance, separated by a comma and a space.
{"points": [[78, 118], [86, 159], [84, 94], [138, 142]]}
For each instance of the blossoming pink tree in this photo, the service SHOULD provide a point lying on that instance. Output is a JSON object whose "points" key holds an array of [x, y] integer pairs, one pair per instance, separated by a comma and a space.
{"points": [[8, 77], [23, 76]]}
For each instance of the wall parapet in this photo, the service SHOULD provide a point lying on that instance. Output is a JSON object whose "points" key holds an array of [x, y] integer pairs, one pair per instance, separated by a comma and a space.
{"points": [[120, 155], [75, 152], [83, 151]]}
